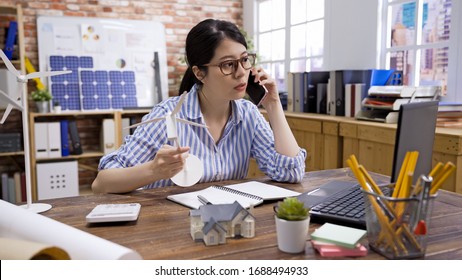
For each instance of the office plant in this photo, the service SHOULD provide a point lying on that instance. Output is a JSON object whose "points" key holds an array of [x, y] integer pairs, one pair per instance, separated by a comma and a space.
{"points": [[292, 220]]}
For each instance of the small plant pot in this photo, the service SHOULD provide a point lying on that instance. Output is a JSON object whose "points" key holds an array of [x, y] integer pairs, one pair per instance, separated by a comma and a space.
{"points": [[42, 106], [292, 235]]}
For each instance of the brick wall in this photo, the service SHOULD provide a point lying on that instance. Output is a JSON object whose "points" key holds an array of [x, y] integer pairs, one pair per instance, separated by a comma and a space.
{"points": [[177, 16]]}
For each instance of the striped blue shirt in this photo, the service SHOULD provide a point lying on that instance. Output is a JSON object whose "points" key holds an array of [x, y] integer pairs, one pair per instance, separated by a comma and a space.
{"points": [[247, 134]]}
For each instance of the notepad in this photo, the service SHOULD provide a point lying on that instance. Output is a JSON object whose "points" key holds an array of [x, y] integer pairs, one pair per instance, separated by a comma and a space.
{"points": [[331, 250], [339, 235], [247, 194]]}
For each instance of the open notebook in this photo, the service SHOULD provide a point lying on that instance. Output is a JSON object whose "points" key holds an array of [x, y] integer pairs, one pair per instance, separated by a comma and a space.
{"points": [[247, 194]]}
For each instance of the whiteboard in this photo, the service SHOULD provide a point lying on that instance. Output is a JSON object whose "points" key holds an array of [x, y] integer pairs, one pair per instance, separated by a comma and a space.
{"points": [[114, 44]]}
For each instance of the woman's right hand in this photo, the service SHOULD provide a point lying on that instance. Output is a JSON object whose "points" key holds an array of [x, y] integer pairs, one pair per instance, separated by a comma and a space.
{"points": [[169, 161]]}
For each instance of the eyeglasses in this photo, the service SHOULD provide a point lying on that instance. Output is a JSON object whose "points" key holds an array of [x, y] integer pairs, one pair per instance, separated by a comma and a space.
{"points": [[229, 67]]}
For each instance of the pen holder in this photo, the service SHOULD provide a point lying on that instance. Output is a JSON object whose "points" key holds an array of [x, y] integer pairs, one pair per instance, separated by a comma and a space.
{"points": [[397, 228]]}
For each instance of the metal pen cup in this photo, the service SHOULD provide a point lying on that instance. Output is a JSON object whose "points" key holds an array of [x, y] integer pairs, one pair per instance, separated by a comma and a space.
{"points": [[397, 228]]}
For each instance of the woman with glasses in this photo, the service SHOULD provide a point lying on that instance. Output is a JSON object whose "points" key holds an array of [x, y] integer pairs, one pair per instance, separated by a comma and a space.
{"points": [[215, 83]]}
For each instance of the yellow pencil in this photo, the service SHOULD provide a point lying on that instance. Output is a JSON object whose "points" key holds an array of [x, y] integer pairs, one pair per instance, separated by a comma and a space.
{"points": [[409, 172], [437, 185], [401, 175], [439, 173], [358, 175], [388, 233], [371, 181], [435, 170]]}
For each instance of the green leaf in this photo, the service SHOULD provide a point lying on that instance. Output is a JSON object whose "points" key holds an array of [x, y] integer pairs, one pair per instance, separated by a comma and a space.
{"points": [[292, 209]]}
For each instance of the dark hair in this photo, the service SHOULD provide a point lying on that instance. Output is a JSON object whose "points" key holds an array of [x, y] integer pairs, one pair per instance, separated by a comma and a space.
{"points": [[201, 43]]}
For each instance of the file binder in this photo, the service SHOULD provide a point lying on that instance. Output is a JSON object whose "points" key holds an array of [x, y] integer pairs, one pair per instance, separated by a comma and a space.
{"points": [[108, 136], [75, 138], [354, 94], [10, 39], [125, 132], [54, 139], [5, 186], [335, 94], [64, 138], [41, 140]]}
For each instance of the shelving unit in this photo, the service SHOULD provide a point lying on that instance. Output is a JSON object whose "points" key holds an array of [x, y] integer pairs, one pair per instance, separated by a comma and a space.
{"points": [[89, 126], [7, 13]]}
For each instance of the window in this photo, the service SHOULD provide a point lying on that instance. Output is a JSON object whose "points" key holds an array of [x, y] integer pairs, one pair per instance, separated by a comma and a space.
{"points": [[290, 36], [417, 40], [423, 38]]}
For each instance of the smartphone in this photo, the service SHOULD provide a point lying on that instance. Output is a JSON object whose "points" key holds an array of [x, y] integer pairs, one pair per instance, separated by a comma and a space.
{"points": [[255, 91]]}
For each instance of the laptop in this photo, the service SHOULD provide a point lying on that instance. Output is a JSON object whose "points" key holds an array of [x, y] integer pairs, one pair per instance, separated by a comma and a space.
{"points": [[342, 202]]}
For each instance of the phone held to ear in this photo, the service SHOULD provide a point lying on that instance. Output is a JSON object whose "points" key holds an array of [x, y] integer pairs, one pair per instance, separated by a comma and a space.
{"points": [[255, 91]]}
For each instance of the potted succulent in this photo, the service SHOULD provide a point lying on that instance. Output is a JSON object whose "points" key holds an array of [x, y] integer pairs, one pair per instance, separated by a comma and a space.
{"points": [[56, 107], [42, 99], [292, 222]]}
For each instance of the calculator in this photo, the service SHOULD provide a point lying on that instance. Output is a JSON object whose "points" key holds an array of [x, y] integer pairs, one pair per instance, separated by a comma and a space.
{"points": [[122, 212]]}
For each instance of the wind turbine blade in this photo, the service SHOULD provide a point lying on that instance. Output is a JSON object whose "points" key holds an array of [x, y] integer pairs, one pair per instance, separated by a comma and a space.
{"points": [[8, 64], [145, 122], [170, 122], [46, 74], [191, 123], [178, 106], [5, 98], [7, 112], [11, 104]]}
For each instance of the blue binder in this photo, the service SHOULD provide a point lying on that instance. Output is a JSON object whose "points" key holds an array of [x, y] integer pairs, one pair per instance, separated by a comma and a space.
{"points": [[64, 138], [10, 39]]}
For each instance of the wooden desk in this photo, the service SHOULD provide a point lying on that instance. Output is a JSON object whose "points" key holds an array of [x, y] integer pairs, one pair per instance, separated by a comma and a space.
{"points": [[162, 230]]}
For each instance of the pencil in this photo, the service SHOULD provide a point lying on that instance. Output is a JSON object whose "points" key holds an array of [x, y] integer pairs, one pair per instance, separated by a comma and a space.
{"points": [[387, 230], [409, 172], [401, 175], [436, 170], [448, 169]]}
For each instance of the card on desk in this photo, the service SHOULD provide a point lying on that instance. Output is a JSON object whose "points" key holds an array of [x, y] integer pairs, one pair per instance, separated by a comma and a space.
{"points": [[339, 235], [331, 250]]}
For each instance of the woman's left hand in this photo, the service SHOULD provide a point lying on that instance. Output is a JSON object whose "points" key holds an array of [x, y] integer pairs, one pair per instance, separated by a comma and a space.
{"points": [[272, 97]]}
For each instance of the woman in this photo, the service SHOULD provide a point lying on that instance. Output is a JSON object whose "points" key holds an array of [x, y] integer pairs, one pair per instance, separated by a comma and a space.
{"points": [[215, 84]]}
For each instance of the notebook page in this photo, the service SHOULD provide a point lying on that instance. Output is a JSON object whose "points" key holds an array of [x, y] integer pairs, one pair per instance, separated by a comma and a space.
{"points": [[214, 195], [265, 191]]}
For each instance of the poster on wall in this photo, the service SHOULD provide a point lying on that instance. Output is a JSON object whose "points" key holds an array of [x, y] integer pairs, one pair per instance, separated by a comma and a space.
{"points": [[119, 59]]}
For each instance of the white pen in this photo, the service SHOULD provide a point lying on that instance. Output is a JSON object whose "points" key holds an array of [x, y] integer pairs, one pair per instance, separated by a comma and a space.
{"points": [[203, 200]]}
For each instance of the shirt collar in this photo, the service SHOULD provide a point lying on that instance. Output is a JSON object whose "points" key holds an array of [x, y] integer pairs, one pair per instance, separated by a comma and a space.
{"points": [[193, 111]]}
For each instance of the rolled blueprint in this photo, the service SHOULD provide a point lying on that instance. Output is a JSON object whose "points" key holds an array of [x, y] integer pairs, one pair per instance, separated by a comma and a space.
{"points": [[19, 223]]}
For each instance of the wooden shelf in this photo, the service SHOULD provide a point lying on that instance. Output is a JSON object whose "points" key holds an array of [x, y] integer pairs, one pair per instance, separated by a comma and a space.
{"points": [[8, 9], [71, 157], [95, 151], [9, 154]]}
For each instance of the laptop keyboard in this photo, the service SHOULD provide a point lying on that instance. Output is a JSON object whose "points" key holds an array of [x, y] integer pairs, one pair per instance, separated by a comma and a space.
{"points": [[345, 208]]}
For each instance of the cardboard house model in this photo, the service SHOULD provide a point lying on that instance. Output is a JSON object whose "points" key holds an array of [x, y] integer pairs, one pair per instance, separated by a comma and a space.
{"points": [[214, 223]]}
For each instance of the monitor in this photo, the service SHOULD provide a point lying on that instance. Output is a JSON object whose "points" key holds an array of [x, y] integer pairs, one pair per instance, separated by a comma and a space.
{"points": [[415, 132]]}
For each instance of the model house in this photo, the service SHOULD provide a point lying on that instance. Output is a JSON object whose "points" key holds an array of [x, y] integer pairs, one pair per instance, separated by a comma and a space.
{"points": [[214, 223]]}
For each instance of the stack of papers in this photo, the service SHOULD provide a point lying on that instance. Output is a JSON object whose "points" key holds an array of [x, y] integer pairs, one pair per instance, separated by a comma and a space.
{"points": [[338, 241]]}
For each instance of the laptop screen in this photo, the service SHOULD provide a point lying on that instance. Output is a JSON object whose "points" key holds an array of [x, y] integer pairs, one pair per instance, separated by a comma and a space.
{"points": [[415, 132]]}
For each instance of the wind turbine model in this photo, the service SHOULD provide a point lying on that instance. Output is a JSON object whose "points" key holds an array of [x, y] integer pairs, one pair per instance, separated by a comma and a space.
{"points": [[193, 168], [22, 106]]}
